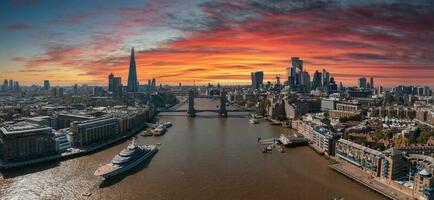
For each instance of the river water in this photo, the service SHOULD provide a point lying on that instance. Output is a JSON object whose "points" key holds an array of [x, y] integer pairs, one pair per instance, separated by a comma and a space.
{"points": [[200, 158]]}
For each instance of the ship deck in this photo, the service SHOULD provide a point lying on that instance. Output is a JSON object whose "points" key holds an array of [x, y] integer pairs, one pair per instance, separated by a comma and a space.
{"points": [[105, 169]]}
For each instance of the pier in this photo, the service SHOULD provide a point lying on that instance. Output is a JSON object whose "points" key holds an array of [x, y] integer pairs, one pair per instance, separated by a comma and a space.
{"points": [[284, 141]]}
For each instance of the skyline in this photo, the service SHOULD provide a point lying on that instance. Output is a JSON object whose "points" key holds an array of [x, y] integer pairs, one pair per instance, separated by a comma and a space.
{"points": [[216, 41]]}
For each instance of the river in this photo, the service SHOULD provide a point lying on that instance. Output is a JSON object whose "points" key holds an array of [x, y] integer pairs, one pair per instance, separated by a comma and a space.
{"points": [[200, 158]]}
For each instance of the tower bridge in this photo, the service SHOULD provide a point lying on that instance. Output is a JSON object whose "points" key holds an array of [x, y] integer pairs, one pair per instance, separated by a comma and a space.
{"points": [[191, 111]]}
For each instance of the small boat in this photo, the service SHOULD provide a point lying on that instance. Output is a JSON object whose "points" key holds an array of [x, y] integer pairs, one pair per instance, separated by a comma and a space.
{"points": [[268, 148], [286, 125], [253, 121], [160, 130], [281, 150], [167, 124], [87, 194], [147, 133], [284, 140]]}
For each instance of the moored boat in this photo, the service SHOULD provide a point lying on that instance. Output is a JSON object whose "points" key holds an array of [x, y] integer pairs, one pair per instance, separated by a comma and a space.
{"points": [[253, 121], [167, 124], [160, 130]]}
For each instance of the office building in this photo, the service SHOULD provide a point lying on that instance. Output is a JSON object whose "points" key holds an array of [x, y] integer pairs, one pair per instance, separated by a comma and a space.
{"points": [[317, 80], [110, 82], [24, 141], [92, 131], [64, 120], [5, 85], [362, 82], [46, 85], [11, 85], [117, 86], [133, 83], [257, 79], [325, 79], [294, 71], [333, 87]]}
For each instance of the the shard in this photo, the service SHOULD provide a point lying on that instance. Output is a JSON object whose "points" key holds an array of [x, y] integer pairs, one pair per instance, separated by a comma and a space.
{"points": [[133, 83]]}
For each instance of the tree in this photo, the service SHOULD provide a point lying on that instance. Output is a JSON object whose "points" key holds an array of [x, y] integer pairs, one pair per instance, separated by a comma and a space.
{"points": [[326, 121], [263, 104], [424, 136], [400, 141]]}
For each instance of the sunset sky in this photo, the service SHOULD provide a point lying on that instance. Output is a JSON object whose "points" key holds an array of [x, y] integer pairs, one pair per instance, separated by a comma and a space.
{"points": [[82, 41]]}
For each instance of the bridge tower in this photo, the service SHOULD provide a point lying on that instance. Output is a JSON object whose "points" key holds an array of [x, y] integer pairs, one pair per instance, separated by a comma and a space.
{"points": [[191, 112], [223, 112]]}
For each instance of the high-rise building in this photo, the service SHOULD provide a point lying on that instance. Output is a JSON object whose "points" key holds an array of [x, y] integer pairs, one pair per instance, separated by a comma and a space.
{"points": [[362, 82], [325, 79], [46, 85], [295, 71], [333, 87], [5, 85], [371, 82], [154, 84], [75, 89], [117, 86], [133, 83], [257, 79], [305, 81], [16, 86], [60, 92], [11, 85], [110, 82], [317, 80]]}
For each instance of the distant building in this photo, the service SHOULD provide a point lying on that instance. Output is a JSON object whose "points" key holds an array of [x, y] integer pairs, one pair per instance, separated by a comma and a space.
{"points": [[133, 83], [46, 85], [110, 82], [153, 84], [333, 87], [5, 85], [371, 83], [345, 109], [325, 79], [317, 80], [117, 86], [361, 156], [362, 82], [65, 119], [321, 139], [98, 91], [257, 79], [11, 85], [93, 131], [328, 104]]}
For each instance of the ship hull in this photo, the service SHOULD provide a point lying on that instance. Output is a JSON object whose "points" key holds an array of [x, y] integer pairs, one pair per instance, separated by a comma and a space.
{"points": [[131, 165]]}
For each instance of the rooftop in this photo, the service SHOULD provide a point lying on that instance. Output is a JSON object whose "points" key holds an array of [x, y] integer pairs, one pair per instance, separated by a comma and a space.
{"points": [[21, 127], [325, 131], [360, 147]]}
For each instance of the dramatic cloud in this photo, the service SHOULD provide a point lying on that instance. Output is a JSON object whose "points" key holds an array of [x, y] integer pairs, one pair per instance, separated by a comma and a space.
{"points": [[223, 41]]}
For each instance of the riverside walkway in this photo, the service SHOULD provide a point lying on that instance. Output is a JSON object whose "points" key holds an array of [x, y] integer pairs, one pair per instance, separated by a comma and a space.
{"points": [[365, 179]]}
